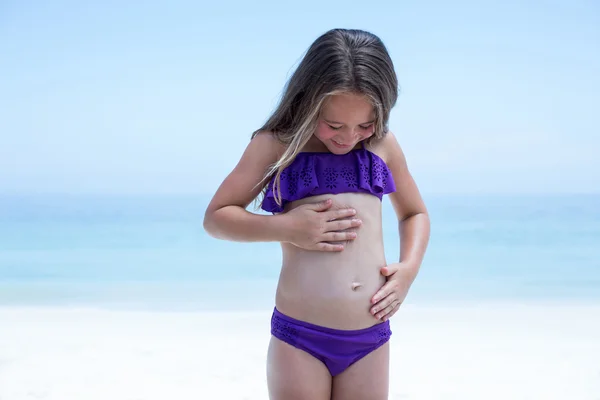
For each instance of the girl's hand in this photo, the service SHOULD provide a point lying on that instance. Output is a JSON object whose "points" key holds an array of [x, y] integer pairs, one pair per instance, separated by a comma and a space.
{"points": [[314, 226], [386, 302]]}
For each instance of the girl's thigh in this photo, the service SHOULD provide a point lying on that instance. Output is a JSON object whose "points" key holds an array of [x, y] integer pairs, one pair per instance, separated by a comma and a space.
{"points": [[293, 374], [366, 379]]}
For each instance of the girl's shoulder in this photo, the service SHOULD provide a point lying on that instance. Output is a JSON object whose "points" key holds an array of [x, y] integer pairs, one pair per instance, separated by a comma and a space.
{"points": [[386, 147], [267, 143]]}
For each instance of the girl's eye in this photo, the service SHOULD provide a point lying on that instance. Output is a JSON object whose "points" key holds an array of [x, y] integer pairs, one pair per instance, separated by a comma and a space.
{"points": [[336, 128]]}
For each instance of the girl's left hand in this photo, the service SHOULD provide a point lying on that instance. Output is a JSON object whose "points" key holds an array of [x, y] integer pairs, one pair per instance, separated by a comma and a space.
{"points": [[390, 296]]}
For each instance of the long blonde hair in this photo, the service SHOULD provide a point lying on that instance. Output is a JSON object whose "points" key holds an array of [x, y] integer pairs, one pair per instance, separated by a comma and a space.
{"points": [[339, 61]]}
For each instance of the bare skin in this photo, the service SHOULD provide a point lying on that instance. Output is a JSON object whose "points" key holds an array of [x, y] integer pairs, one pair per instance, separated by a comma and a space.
{"points": [[311, 226], [334, 289], [334, 272]]}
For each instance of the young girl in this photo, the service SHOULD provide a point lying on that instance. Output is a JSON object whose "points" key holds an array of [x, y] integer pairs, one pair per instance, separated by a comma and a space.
{"points": [[324, 159]]}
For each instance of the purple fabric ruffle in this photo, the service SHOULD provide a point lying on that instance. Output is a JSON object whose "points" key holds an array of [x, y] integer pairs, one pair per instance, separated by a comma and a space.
{"points": [[312, 174]]}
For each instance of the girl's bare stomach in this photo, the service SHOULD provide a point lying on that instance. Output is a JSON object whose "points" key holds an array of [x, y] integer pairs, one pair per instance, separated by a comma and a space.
{"points": [[334, 289]]}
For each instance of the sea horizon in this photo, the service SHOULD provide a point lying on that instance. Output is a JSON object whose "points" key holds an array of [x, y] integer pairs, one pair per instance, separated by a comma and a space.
{"points": [[150, 251]]}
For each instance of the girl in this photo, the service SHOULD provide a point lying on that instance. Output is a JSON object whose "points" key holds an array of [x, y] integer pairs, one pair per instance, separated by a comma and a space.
{"points": [[324, 159]]}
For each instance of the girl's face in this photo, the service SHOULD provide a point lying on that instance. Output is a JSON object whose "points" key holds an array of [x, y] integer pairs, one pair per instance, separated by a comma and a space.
{"points": [[345, 120]]}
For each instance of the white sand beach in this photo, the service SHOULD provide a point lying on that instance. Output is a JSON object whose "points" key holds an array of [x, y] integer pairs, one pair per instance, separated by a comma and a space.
{"points": [[486, 351]]}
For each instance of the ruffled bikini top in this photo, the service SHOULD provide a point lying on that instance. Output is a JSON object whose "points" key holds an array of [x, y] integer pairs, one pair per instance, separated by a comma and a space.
{"points": [[313, 173]]}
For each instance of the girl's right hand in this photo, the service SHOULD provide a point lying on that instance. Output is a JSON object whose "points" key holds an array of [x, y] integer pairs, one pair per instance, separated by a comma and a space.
{"points": [[315, 227]]}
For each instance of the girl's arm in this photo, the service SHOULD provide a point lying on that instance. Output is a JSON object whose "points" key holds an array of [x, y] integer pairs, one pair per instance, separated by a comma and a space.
{"points": [[310, 226], [226, 216], [413, 219], [414, 229]]}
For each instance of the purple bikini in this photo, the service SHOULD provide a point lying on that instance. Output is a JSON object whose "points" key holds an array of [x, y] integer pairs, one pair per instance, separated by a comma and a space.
{"points": [[311, 174], [337, 349]]}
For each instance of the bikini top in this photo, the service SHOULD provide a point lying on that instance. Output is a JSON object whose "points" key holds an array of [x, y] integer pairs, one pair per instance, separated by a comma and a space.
{"points": [[314, 173]]}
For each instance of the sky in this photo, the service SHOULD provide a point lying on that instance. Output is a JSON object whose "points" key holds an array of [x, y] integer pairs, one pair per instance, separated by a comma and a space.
{"points": [[161, 97]]}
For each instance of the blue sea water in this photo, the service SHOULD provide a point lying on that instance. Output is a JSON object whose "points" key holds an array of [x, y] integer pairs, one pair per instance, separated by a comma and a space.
{"points": [[152, 252]]}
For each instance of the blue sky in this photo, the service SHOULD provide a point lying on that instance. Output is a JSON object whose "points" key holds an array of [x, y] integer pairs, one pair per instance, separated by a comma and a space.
{"points": [[161, 97]]}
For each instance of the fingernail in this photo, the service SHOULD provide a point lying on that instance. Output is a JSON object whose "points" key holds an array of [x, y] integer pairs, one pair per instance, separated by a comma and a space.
{"points": [[357, 221]]}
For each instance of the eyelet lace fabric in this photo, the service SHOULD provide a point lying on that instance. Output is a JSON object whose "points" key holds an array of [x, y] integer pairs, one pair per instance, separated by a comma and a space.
{"points": [[311, 174], [283, 329], [293, 332]]}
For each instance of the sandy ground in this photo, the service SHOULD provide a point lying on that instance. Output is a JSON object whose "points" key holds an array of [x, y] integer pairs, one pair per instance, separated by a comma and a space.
{"points": [[486, 351]]}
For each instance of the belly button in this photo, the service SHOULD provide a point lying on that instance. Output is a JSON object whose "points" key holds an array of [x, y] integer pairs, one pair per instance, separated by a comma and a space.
{"points": [[356, 285]]}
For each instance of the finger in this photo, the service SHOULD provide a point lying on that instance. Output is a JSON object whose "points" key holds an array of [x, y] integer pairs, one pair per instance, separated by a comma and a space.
{"points": [[338, 236], [387, 301], [321, 205], [343, 224], [330, 247], [384, 292], [389, 269], [387, 310], [338, 214], [391, 313]]}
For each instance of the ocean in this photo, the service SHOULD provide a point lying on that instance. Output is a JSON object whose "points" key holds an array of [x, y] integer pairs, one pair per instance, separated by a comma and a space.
{"points": [[151, 252]]}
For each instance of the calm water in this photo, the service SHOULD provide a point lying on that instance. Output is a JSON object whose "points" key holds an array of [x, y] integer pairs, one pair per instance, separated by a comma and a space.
{"points": [[152, 252]]}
